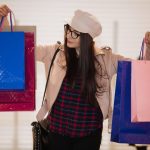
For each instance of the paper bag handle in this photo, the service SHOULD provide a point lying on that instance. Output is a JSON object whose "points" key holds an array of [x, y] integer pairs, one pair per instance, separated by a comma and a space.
{"points": [[142, 51], [11, 24]]}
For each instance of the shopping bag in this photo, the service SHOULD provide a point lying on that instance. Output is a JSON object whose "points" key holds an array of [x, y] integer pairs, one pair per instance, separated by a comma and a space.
{"points": [[140, 89], [117, 109], [12, 100], [140, 94], [123, 130], [12, 60]]}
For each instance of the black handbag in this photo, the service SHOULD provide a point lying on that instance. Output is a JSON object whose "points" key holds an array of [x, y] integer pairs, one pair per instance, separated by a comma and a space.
{"points": [[40, 130]]}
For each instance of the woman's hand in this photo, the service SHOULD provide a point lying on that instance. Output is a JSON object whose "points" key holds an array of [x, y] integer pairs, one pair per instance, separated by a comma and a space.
{"points": [[147, 39], [4, 10]]}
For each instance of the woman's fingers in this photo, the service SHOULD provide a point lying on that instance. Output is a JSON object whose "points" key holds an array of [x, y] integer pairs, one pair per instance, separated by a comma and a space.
{"points": [[4, 10]]}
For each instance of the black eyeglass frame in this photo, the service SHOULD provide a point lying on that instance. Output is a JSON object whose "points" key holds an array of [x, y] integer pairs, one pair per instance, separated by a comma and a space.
{"points": [[74, 34]]}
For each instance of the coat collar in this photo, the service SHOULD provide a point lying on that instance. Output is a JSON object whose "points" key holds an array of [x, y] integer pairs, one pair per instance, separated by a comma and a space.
{"points": [[98, 51]]}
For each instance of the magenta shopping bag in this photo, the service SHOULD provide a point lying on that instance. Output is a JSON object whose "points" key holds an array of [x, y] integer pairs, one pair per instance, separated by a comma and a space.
{"points": [[12, 100]]}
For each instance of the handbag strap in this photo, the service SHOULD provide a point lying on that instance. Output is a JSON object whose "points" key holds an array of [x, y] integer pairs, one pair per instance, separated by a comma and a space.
{"points": [[57, 50]]}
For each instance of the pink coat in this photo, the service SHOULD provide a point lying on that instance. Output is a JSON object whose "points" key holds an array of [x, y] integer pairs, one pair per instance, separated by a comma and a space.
{"points": [[108, 61]]}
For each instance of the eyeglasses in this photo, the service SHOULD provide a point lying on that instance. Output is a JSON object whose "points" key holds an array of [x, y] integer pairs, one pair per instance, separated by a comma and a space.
{"points": [[74, 34]]}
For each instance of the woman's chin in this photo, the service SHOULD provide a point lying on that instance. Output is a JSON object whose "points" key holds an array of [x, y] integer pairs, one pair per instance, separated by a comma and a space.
{"points": [[70, 45]]}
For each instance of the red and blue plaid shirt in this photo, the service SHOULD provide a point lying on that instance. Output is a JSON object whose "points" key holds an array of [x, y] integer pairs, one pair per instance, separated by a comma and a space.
{"points": [[72, 115]]}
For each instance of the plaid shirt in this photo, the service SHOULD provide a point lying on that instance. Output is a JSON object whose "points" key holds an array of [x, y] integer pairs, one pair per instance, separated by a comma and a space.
{"points": [[71, 115]]}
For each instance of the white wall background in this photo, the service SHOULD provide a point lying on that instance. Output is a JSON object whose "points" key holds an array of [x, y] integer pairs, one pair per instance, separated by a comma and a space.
{"points": [[129, 17], [124, 24]]}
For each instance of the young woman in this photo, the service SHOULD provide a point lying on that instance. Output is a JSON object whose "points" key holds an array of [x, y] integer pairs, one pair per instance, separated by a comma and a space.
{"points": [[78, 93]]}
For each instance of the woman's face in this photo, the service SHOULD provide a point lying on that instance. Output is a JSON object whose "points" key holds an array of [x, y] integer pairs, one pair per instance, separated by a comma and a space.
{"points": [[73, 37]]}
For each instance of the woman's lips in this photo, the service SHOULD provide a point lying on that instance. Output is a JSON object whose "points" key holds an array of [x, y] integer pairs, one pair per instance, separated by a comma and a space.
{"points": [[69, 42]]}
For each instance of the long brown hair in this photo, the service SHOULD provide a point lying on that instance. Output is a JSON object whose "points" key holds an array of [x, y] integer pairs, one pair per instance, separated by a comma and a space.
{"points": [[85, 64]]}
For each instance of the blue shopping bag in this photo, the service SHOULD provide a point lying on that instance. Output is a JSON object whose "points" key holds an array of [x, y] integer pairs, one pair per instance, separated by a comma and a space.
{"points": [[123, 130], [116, 110], [12, 60]]}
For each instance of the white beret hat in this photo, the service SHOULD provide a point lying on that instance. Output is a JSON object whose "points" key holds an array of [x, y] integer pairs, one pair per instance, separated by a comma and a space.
{"points": [[86, 23]]}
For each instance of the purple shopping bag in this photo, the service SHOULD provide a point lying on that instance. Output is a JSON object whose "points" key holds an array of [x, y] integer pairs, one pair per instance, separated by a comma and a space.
{"points": [[12, 100], [123, 130]]}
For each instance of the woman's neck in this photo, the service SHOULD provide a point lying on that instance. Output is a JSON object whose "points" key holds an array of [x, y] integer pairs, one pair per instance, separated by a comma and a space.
{"points": [[78, 51]]}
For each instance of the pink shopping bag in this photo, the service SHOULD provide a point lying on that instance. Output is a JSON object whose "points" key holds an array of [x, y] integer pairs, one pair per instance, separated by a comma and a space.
{"points": [[140, 91]]}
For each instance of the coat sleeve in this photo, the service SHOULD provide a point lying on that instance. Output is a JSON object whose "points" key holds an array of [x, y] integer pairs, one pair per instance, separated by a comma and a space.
{"points": [[114, 62], [42, 53], [115, 58]]}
